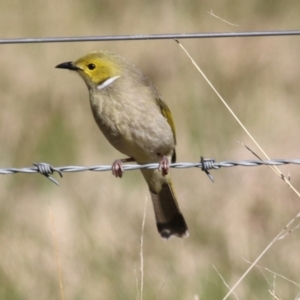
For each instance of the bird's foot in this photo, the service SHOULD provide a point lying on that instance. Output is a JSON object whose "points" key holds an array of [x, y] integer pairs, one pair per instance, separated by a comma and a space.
{"points": [[163, 166], [117, 166]]}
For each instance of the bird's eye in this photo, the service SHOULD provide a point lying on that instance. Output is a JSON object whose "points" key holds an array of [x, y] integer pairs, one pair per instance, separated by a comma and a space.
{"points": [[91, 66]]}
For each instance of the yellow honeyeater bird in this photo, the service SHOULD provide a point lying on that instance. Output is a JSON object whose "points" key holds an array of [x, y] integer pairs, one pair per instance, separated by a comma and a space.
{"points": [[136, 121]]}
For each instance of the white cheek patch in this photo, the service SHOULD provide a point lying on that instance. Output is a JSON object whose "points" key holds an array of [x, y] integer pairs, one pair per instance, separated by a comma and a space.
{"points": [[107, 82]]}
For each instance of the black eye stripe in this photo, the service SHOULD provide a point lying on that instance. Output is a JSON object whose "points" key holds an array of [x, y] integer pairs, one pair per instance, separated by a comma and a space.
{"points": [[91, 66]]}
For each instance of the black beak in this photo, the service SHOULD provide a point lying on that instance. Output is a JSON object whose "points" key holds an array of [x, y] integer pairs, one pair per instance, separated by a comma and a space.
{"points": [[67, 65]]}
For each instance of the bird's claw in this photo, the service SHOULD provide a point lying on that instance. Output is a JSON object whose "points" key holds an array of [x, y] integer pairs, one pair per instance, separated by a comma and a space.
{"points": [[163, 166], [117, 168]]}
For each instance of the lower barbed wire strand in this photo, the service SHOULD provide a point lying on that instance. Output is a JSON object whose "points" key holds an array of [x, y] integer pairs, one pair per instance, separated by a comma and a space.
{"points": [[205, 164], [208, 164]]}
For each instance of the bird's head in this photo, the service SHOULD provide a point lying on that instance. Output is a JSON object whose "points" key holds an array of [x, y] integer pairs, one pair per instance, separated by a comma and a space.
{"points": [[97, 69]]}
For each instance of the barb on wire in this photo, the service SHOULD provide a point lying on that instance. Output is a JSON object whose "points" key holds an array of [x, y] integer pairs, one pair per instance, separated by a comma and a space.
{"points": [[149, 37], [205, 164], [46, 170]]}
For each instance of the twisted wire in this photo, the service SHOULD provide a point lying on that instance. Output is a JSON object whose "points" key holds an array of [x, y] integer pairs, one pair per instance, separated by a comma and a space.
{"points": [[204, 164]]}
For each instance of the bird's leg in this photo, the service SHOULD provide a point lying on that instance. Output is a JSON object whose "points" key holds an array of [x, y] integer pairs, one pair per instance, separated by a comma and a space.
{"points": [[117, 166], [163, 166]]}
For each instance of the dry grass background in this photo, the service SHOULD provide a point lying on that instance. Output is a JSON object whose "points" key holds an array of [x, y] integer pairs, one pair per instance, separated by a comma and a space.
{"points": [[45, 116]]}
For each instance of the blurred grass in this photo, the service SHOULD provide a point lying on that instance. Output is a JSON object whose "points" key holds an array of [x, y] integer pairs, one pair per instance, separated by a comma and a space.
{"points": [[45, 116]]}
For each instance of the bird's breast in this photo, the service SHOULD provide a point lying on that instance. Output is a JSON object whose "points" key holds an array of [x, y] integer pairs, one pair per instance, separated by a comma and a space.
{"points": [[138, 131]]}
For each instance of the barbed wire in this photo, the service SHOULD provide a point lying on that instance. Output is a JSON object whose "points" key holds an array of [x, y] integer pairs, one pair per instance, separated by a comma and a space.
{"points": [[136, 37], [205, 165]]}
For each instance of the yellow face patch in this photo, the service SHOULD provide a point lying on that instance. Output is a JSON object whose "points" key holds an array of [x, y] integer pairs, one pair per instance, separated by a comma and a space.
{"points": [[97, 69]]}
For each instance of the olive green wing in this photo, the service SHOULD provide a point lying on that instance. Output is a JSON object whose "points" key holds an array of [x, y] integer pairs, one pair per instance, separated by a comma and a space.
{"points": [[167, 114]]}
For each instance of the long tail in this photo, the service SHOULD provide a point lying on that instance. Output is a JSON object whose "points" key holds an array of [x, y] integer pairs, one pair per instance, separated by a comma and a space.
{"points": [[169, 219]]}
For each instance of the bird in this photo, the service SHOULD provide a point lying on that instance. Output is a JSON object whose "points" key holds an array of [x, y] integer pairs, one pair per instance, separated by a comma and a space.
{"points": [[135, 120]]}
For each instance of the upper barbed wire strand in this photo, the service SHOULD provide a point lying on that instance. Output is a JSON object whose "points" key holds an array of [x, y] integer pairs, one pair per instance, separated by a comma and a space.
{"points": [[136, 37]]}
